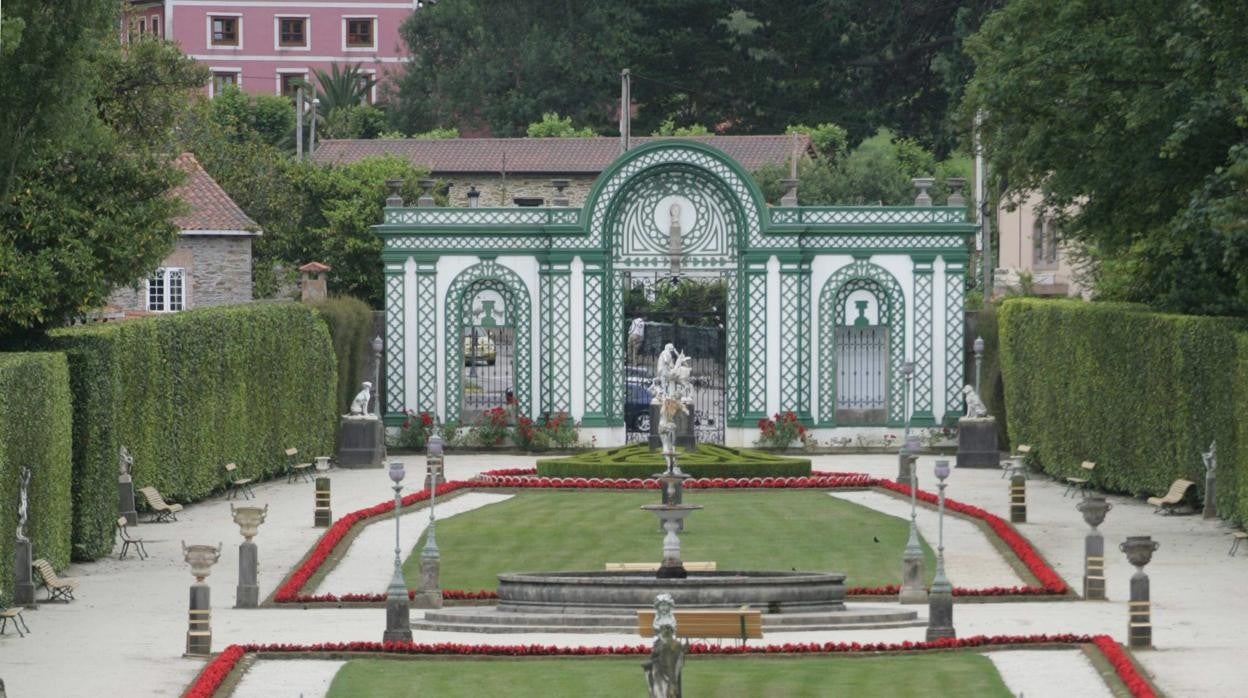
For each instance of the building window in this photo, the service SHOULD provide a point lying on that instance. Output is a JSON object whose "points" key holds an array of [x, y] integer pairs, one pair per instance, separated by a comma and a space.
{"points": [[1037, 243], [1050, 242], [165, 290], [224, 31], [292, 32], [291, 82], [221, 81], [360, 32], [156, 26]]}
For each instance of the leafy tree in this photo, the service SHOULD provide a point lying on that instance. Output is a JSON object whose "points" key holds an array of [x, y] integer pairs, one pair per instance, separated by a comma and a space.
{"points": [[244, 118], [1131, 121], [554, 126], [355, 121], [150, 85], [342, 87], [830, 141], [669, 128]]}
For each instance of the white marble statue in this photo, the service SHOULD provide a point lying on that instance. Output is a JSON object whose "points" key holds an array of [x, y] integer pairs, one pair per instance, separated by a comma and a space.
{"points": [[667, 657], [1210, 459], [23, 505], [359, 405], [125, 462], [975, 408]]}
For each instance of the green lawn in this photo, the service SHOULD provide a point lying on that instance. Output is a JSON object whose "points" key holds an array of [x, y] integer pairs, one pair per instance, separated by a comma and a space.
{"points": [[896, 676], [571, 530]]}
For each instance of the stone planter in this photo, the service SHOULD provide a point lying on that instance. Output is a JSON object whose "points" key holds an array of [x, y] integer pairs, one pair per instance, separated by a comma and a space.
{"points": [[201, 558], [249, 519], [1139, 550], [1094, 507]]}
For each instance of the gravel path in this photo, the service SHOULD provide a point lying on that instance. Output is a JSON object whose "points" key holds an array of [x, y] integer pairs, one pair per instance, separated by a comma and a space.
{"points": [[1049, 674], [279, 678]]}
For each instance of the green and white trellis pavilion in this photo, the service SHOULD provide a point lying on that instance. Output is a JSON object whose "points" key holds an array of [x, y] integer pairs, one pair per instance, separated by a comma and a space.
{"points": [[824, 304]]}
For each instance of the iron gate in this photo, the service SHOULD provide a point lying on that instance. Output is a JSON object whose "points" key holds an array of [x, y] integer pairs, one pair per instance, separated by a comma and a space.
{"points": [[699, 333], [487, 366], [861, 374]]}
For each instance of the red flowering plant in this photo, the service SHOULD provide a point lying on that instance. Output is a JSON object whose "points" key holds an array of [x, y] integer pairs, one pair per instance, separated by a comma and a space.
{"points": [[528, 436], [492, 429], [560, 430], [415, 430], [781, 430]]}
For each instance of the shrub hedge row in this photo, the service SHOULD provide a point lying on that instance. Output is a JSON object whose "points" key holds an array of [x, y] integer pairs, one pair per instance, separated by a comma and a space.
{"points": [[1142, 394], [350, 327], [34, 432], [187, 393], [1235, 478], [709, 460]]}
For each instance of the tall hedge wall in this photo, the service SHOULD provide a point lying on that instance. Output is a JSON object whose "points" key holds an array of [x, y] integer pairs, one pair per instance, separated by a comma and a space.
{"points": [[350, 323], [1142, 394], [187, 393], [1233, 476], [35, 431]]}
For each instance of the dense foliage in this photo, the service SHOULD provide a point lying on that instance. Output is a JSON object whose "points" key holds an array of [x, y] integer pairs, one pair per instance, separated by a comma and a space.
{"points": [[187, 393], [1131, 120], [1141, 394], [34, 433], [709, 63], [350, 324]]}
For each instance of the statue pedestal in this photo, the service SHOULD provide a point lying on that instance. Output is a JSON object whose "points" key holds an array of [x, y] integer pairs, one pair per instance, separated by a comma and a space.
{"points": [[247, 593], [24, 583], [361, 442], [125, 500], [977, 443]]}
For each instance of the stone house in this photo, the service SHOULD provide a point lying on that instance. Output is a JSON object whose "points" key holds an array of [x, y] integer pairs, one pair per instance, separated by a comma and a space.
{"points": [[211, 261], [1031, 246], [501, 171]]}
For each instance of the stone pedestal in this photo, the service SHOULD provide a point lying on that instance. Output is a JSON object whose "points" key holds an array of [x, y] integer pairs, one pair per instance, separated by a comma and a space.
{"points": [[361, 442], [905, 466], [1140, 625], [1018, 497], [247, 594], [199, 631], [1211, 504], [323, 515], [429, 595], [24, 583], [940, 613], [125, 500], [977, 443], [437, 475], [672, 487], [398, 619], [912, 589], [1094, 567]]}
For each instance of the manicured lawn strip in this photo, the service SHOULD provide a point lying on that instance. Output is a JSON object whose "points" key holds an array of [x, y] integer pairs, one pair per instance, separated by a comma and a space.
{"points": [[545, 531], [894, 676]]}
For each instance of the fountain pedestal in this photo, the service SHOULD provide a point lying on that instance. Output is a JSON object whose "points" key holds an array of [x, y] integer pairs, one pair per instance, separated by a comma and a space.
{"points": [[671, 517]]}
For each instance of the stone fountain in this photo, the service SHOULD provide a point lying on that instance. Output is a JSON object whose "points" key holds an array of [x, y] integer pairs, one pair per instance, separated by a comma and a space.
{"points": [[672, 384]]}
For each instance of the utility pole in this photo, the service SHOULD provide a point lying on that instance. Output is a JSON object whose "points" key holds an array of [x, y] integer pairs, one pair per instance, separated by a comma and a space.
{"points": [[299, 123], [626, 101], [316, 105], [981, 207]]}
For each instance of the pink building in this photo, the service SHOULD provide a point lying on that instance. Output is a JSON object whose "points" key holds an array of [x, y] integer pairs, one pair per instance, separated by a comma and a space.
{"points": [[263, 46]]}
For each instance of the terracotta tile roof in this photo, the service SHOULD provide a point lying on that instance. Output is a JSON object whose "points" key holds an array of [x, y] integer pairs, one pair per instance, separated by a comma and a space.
{"points": [[211, 209], [315, 267], [544, 155]]}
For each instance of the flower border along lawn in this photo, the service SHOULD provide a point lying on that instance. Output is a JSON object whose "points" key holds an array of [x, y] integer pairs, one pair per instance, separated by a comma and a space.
{"points": [[222, 672], [290, 591]]}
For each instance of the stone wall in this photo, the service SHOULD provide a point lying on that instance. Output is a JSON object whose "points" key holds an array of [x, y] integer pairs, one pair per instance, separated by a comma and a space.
{"points": [[497, 192], [218, 272]]}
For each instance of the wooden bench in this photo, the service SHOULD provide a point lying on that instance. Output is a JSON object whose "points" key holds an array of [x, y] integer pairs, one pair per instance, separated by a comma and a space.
{"points": [[58, 587], [1237, 537], [1080, 484], [654, 566], [1172, 498], [1021, 454], [160, 509], [13, 614], [128, 541], [295, 469], [237, 484], [740, 624]]}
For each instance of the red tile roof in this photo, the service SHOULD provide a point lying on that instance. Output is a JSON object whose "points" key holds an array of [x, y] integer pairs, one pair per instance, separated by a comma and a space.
{"points": [[210, 208], [315, 267], [545, 155]]}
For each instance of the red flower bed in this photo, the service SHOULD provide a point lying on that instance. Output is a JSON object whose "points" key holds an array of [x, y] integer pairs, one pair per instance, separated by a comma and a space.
{"points": [[215, 672]]}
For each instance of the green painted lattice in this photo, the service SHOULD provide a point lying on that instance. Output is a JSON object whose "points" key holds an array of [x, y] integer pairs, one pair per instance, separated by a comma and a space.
{"points": [[955, 302], [493, 276], [923, 319], [794, 345], [593, 342], [556, 341], [396, 390], [756, 342], [426, 341]]}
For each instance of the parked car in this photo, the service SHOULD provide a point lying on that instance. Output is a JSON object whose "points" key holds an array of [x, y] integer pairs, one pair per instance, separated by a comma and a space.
{"points": [[484, 352], [637, 399]]}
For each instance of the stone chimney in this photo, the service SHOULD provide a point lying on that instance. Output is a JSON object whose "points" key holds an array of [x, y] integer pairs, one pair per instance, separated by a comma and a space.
{"points": [[312, 282]]}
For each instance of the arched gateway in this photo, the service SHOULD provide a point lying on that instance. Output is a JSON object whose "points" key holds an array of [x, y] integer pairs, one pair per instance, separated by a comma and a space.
{"points": [[526, 306]]}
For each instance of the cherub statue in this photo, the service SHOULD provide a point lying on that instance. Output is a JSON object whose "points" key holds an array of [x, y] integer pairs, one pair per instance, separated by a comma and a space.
{"points": [[359, 405], [974, 406], [1211, 458], [125, 462], [23, 504], [667, 657]]}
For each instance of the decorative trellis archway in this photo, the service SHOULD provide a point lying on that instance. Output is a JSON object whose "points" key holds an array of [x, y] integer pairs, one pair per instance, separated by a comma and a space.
{"points": [[861, 275], [488, 275]]}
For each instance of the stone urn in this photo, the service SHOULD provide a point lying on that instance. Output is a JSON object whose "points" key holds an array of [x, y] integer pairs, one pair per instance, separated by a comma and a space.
{"points": [[201, 558], [1094, 507], [249, 519], [1139, 550]]}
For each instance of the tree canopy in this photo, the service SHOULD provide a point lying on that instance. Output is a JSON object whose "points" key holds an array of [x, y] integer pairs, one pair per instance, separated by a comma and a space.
{"points": [[1131, 120]]}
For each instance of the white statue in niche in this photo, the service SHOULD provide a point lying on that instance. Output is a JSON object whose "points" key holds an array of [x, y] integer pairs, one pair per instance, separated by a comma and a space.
{"points": [[975, 408], [359, 405]]}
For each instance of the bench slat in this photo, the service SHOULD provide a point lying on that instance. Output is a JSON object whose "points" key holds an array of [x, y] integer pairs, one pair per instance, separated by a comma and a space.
{"points": [[739, 624]]}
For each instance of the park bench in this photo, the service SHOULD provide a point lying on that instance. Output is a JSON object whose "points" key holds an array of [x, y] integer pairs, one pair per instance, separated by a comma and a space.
{"points": [[128, 541], [1080, 484], [160, 509], [14, 614], [58, 587], [1237, 537], [1172, 498], [237, 484], [1020, 455], [654, 566], [295, 469], [739, 624]]}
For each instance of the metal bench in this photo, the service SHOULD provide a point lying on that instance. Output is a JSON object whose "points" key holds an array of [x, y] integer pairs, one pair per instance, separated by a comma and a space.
{"points": [[1237, 537], [741, 624], [295, 469], [1172, 498], [128, 541], [1080, 484], [654, 566], [160, 509], [13, 614], [58, 587], [238, 484]]}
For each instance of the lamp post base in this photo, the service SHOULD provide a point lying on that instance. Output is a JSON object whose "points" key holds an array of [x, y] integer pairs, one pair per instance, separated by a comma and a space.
{"points": [[940, 615], [912, 591], [398, 620]]}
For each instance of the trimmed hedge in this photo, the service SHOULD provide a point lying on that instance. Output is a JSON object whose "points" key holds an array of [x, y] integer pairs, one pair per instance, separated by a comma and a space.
{"points": [[187, 393], [1233, 475], [1142, 394], [35, 431], [638, 461], [350, 324]]}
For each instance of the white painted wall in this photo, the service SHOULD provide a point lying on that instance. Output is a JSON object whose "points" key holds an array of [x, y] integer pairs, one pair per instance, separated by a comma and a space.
{"points": [[578, 339], [773, 335]]}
